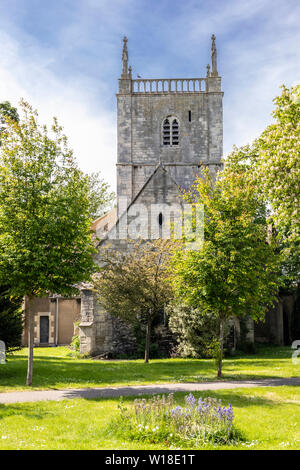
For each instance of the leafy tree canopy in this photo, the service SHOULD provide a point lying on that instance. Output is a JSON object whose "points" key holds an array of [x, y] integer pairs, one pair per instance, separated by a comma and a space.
{"points": [[101, 198], [135, 286], [45, 211], [46, 203], [11, 322], [273, 166], [7, 111], [235, 271]]}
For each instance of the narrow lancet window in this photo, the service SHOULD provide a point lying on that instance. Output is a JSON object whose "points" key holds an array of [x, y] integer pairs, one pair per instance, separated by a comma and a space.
{"points": [[175, 132], [166, 132]]}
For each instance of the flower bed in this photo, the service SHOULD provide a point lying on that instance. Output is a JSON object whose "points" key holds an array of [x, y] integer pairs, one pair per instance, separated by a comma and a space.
{"points": [[160, 419]]}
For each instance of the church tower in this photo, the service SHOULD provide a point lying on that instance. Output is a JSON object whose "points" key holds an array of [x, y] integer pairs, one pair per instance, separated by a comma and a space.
{"points": [[173, 122], [167, 128]]}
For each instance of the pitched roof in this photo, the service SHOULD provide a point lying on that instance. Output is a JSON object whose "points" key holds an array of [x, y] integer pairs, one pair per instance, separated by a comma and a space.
{"points": [[159, 166]]}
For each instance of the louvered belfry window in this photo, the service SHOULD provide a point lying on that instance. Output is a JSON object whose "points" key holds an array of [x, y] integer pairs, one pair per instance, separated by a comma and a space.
{"points": [[170, 131], [166, 132], [175, 132]]}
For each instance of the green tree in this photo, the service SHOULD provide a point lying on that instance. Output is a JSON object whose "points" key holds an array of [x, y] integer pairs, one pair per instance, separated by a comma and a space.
{"points": [[278, 173], [7, 111], [273, 165], [234, 272], [135, 286], [11, 323], [278, 165], [100, 195], [45, 238]]}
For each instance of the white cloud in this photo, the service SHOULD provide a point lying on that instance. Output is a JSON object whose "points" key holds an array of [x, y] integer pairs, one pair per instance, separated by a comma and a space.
{"points": [[91, 130], [258, 49], [255, 68]]}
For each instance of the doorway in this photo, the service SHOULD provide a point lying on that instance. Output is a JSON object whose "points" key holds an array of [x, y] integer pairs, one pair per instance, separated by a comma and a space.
{"points": [[44, 329]]}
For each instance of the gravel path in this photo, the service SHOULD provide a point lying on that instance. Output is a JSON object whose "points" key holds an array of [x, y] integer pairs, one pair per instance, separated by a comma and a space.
{"points": [[113, 392]]}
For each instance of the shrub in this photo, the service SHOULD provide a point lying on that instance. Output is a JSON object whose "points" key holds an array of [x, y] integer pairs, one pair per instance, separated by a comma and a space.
{"points": [[197, 335], [244, 344], [11, 322], [75, 343], [159, 419]]}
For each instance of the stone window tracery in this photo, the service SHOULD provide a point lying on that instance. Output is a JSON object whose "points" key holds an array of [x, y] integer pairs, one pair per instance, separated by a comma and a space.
{"points": [[170, 131]]}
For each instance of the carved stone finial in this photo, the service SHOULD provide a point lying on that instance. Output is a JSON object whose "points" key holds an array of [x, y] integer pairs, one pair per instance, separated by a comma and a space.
{"points": [[214, 71], [208, 70], [125, 58], [130, 71]]}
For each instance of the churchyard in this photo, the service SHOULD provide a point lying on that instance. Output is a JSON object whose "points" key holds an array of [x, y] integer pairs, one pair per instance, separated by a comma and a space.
{"points": [[266, 417], [59, 368], [193, 263]]}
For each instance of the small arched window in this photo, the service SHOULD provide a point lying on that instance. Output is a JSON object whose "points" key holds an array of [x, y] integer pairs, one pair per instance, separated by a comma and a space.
{"points": [[170, 131]]}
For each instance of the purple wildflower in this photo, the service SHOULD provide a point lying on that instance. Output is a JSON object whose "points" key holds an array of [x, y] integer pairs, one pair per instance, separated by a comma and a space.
{"points": [[191, 400]]}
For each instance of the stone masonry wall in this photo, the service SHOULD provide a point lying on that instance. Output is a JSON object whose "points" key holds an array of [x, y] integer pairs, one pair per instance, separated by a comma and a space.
{"points": [[140, 146]]}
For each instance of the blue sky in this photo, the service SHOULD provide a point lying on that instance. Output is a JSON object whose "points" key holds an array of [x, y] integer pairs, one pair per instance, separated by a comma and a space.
{"points": [[64, 57]]}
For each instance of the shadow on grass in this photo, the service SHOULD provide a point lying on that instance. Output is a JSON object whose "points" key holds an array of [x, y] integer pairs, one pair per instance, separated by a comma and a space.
{"points": [[238, 401], [25, 410], [59, 371], [226, 396], [39, 411], [148, 390]]}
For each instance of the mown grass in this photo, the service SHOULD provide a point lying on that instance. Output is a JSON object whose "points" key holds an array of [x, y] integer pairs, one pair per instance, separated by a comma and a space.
{"points": [[57, 368], [268, 418]]}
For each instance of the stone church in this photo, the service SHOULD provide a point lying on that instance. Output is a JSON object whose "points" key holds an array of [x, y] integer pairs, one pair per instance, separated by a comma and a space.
{"points": [[167, 128]]}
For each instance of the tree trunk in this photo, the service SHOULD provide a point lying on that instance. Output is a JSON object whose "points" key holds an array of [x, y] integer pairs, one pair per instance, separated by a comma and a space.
{"points": [[221, 347], [148, 336], [30, 341]]}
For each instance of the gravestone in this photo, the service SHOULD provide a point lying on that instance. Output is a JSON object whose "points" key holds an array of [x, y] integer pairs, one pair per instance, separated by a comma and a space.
{"points": [[2, 352]]}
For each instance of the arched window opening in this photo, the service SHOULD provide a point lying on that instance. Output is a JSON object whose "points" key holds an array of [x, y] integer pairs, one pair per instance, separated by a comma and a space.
{"points": [[175, 132], [170, 131], [160, 219], [166, 132]]}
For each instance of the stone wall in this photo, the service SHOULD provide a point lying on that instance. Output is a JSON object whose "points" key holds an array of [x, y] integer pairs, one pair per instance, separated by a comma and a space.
{"points": [[140, 145], [281, 324], [102, 334]]}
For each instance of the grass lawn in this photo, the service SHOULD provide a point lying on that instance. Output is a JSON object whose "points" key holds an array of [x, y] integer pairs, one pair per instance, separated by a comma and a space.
{"points": [[269, 418], [56, 368]]}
